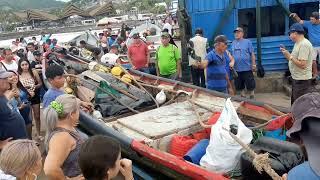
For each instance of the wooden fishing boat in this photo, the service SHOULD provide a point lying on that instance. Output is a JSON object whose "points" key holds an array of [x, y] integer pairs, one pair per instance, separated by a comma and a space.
{"points": [[145, 133]]}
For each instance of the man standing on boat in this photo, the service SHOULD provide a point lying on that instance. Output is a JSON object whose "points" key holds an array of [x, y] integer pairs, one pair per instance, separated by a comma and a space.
{"points": [[169, 59], [200, 51], [300, 62], [215, 63], [138, 54], [245, 63], [313, 27]]}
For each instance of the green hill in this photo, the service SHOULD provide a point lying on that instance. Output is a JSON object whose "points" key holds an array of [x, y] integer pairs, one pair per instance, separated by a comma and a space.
{"points": [[30, 4]]}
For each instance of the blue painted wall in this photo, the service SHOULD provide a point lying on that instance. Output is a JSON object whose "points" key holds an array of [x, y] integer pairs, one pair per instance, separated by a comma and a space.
{"points": [[207, 14]]}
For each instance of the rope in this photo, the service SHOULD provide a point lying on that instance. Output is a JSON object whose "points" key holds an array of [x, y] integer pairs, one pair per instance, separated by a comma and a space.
{"points": [[198, 115], [140, 86], [260, 161]]}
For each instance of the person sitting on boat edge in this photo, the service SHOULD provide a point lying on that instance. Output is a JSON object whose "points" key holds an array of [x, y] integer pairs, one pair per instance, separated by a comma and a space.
{"points": [[55, 76], [138, 54], [100, 158], [20, 159], [169, 59], [306, 113], [62, 141], [96, 52], [215, 63]]}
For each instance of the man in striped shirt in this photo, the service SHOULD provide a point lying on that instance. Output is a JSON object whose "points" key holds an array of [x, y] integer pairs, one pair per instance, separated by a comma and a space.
{"points": [[215, 63]]}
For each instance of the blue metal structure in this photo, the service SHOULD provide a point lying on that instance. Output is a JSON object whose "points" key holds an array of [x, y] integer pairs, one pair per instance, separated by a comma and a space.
{"points": [[208, 13]]}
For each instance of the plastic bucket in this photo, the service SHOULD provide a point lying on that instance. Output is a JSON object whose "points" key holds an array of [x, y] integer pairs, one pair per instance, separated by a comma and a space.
{"points": [[195, 154]]}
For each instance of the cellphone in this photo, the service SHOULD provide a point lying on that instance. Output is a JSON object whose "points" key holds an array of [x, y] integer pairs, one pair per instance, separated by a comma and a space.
{"points": [[282, 46]]}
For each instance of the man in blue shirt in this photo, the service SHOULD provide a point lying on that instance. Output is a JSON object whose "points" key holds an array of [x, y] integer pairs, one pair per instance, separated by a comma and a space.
{"points": [[245, 63], [215, 63], [306, 113], [12, 125], [313, 27], [55, 75]]}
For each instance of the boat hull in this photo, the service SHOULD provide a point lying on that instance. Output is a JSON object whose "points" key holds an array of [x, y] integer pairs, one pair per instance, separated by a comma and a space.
{"points": [[163, 162]]}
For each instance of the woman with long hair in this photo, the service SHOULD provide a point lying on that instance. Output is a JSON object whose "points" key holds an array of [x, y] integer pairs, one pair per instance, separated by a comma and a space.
{"points": [[20, 100], [30, 79], [62, 141], [20, 159]]}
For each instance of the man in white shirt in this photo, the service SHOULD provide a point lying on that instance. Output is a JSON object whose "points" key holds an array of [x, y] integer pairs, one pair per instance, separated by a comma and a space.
{"points": [[31, 49], [167, 25], [199, 53]]}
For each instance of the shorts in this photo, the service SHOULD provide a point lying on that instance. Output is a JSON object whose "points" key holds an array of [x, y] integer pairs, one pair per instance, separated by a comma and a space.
{"points": [[300, 88], [316, 53], [245, 80], [36, 98]]}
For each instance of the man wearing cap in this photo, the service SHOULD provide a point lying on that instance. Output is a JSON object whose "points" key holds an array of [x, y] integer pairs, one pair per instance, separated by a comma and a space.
{"points": [[138, 54], [96, 52], [245, 63], [306, 113], [215, 63], [200, 51], [12, 124], [169, 59], [313, 27], [112, 38], [300, 62]]}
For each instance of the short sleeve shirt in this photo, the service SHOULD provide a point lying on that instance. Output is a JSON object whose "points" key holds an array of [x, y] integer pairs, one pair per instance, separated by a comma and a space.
{"points": [[313, 32], [216, 72], [11, 124], [302, 50], [138, 54], [242, 50], [50, 96], [167, 59], [303, 171]]}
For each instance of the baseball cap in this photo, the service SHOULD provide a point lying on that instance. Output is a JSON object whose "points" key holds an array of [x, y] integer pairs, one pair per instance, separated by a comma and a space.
{"points": [[165, 34], [238, 29], [221, 39], [296, 27], [306, 113], [5, 74], [37, 53]]}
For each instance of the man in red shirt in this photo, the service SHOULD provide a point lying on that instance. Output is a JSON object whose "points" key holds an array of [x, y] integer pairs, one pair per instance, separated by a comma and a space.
{"points": [[138, 54]]}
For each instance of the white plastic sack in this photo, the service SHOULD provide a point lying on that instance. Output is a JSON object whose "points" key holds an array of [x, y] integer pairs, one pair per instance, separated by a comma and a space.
{"points": [[223, 153]]}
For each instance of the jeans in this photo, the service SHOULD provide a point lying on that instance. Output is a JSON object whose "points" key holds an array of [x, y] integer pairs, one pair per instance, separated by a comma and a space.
{"points": [[145, 70], [173, 76], [198, 78]]}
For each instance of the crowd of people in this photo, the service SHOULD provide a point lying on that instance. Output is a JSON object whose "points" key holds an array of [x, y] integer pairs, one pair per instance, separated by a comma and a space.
{"points": [[69, 153]]}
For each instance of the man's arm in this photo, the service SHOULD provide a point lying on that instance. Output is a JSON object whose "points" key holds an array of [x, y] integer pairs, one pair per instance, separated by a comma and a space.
{"points": [[253, 61], [300, 62], [203, 64], [297, 18], [179, 68]]}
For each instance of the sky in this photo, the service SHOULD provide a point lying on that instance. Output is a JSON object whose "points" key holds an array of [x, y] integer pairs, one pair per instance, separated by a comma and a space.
{"points": [[64, 0]]}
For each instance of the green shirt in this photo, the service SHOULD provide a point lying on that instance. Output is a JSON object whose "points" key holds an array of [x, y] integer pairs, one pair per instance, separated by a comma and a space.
{"points": [[303, 51], [167, 59]]}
